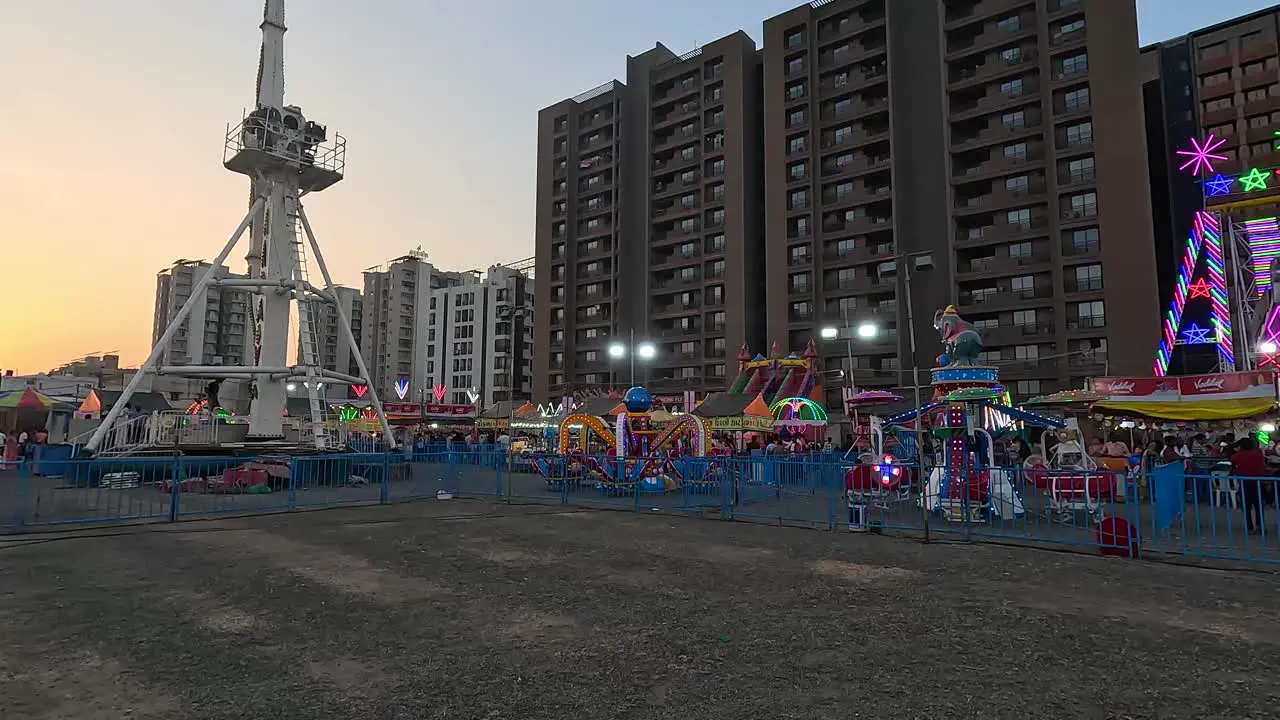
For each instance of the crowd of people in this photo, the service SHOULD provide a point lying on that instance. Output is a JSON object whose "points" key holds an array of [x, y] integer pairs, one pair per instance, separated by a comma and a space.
{"points": [[21, 444]]}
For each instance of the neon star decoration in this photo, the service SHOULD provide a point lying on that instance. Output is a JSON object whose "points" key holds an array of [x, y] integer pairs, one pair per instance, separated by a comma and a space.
{"points": [[1255, 179], [1196, 335], [1201, 156], [1198, 289], [1218, 185]]}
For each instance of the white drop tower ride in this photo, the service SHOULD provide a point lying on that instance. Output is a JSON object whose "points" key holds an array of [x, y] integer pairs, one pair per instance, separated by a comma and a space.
{"points": [[286, 157]]}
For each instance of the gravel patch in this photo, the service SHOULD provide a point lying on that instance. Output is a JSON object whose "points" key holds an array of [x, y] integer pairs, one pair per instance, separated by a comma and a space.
{"points": [[472, 610]]}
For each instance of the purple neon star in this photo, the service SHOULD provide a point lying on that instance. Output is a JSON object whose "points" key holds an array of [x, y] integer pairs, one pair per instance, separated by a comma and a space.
{"points": [[1201, 155]]}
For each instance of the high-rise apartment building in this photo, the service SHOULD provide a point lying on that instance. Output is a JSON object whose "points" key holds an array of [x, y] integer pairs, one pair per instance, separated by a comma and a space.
{"points": [[912, 154], [1224, 81], [334, 350], [979, 153], [395, 322], [213, 335], [480, 340], [650, 222]]}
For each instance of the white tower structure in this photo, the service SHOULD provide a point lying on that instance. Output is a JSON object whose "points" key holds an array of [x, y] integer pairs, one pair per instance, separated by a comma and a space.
{"points": [[285, 156]]}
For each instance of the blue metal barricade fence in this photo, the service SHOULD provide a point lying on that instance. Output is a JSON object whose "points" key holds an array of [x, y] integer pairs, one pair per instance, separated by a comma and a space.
{"points": [[1164, 512]]}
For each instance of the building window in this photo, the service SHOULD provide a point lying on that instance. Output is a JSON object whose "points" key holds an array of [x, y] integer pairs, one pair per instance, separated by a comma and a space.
{"points": [[797, 171], [799, 199], [841, 134], [1216, 79], [1080, 134], [1021, 218], [1088, 278], [1028, 388], [1077, 99], [923, 262], [1084, 241], [1024, 318], [1084, 205], [795, 65], [1024, 285], [1081, 170], [1011, 56], [1011, 88], [1016, 151], [1009, 24], [1016, 184], [1075, 64], [1014, 119], [1091, 314], [715, 243], [797, 144], [795, 118]]}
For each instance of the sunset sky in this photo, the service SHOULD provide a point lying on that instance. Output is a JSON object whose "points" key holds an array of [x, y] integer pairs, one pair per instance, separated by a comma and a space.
{"points": [[114, 113]]}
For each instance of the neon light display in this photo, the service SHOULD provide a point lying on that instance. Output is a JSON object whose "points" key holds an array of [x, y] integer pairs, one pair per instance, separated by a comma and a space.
{"points": [[1200, 157], [798, 408], [348, 413], [439, 391], [1206, 226], [402, 387], [360, 390], [1270, 345], [1196, 335], [1198, 289], [1263, 239], [1218, 185], [1173, 318], [1255, 179]]}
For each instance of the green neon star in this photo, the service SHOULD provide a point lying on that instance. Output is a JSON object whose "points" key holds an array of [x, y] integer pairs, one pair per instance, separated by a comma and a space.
{"points": [[1254, 180], [1276, 134]]}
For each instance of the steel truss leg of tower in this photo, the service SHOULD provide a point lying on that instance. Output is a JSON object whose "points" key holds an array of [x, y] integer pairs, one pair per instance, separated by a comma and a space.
{"points": [[197, 296], [344, 324]]}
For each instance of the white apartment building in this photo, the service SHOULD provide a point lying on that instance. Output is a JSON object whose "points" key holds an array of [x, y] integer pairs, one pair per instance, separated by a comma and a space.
{"points": [[480, 338], [394, 324], [215, 335], [336, 352]]}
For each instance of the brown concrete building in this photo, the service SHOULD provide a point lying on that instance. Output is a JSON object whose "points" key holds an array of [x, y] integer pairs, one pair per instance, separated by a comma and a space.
{"points": [[985, 154], [649, 222], [1222, 80]]}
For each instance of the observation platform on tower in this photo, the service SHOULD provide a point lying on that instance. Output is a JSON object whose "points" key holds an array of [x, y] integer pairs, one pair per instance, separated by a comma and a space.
{"points": [[269, 140]]}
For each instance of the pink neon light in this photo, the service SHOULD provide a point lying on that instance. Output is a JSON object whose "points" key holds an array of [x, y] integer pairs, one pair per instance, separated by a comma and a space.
{"points": [[1201, 156]]}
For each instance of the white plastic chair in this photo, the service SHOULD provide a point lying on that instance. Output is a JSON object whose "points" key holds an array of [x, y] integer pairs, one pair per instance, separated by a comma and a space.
{"points": [[1217, 489]]}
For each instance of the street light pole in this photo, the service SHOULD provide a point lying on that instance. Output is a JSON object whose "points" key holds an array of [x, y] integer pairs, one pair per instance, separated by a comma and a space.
{"points": [[915, 383]]}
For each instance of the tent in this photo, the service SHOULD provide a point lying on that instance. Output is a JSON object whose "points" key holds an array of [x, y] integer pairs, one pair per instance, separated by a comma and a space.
{"points": [[735, 411]]}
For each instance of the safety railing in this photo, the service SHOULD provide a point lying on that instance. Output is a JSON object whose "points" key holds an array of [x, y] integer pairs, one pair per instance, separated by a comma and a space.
{"points": [[1165, 512]]}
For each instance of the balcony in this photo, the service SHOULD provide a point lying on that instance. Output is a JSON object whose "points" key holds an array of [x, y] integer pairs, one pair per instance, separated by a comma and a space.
{"points": [[848, 80], [677, 281], [999, 198], [994, 100], [995, 132], [997, 163], [1088, 285], [994, 67], [1083, 213], [678, 331], [1087, 323]]}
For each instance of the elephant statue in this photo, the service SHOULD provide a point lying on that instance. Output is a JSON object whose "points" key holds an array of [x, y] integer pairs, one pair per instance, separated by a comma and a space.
{"points": [[961, 343]]}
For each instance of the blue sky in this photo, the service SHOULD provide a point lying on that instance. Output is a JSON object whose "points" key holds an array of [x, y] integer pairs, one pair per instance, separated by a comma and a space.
{"points": [[115, 111]]}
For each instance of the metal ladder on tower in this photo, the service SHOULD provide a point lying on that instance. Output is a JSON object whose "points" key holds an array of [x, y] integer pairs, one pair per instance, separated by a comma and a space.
{"points": [[308, 344]]}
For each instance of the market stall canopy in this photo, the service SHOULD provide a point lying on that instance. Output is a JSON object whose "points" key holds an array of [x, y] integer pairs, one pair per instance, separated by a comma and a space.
{"points": [[735, 411], [26, 400], [600, 406], [101, 401], [1220, 396], [1065, 397]]}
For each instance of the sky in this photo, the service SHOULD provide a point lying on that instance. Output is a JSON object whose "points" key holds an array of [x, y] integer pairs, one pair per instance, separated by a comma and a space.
{"points": [[114, 113]]}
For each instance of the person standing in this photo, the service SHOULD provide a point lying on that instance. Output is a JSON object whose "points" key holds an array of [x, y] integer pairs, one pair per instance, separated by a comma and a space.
{"points": [[1250, 466]]}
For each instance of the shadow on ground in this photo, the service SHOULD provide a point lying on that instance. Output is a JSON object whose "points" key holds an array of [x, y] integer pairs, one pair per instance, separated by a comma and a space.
{"points": [[472, 610]]}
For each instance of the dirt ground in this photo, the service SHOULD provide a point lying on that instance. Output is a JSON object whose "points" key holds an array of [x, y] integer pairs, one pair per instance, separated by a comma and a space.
{"points": [[466, 609]]}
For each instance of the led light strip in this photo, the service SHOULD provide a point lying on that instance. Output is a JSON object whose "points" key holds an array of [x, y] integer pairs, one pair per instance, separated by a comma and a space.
{"points": [[1263, 238], [1206, 225], [1173, 318]]}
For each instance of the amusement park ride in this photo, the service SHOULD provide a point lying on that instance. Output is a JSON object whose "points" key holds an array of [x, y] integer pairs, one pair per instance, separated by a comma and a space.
{"points": [[286, 156], [1228, 282]]}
